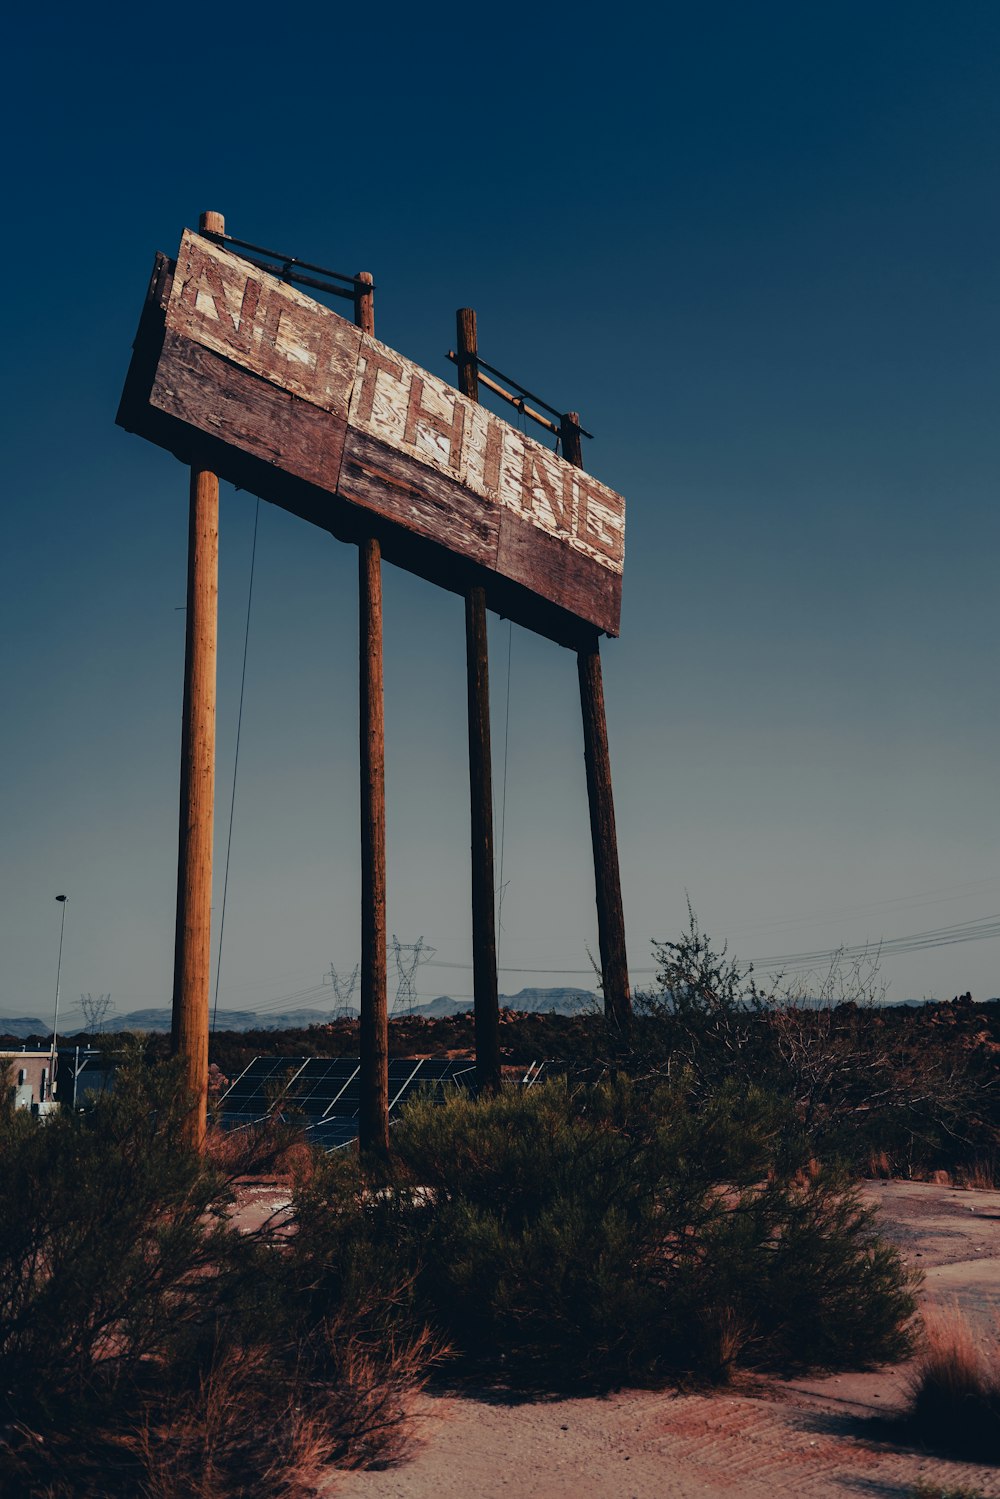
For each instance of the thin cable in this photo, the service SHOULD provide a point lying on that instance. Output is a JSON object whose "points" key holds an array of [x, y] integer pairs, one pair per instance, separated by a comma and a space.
{"points": [[236, 764], [503, 799]]}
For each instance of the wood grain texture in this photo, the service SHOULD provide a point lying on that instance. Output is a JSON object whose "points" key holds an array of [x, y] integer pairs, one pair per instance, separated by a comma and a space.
{"points": [[415, 550], [226, 304], [207, 392], [373, 1123], [603, 833], [193, 929], [242, 355], [546, 566], [409, 410], [604, 838], [373, 1114], [396, 486], [484, 941], [364, 302], [484, 947], [569, 436], [467, 345]]}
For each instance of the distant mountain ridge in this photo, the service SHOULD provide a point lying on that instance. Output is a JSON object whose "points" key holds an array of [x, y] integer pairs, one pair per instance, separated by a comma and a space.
{"points": [[557, 1001], [23, 1026]]}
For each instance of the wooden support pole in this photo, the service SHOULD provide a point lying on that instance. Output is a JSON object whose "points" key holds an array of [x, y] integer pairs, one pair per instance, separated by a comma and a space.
{"points": [[364, 302], [610, 914], [193, 931], [373, 1110], [467, 351], [569, 436], [373, 1114], [484, 942]]}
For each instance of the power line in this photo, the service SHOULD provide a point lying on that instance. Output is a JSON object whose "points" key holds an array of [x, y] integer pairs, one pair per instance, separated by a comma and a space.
{"points": [[984, 928]]}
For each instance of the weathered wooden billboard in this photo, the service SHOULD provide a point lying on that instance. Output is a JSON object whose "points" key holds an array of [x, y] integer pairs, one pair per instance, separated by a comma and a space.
{"points": [[235, 370]]}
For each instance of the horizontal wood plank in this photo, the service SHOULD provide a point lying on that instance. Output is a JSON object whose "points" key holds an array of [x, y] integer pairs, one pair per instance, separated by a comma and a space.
{"points": [[398, 404], [404, 491], [548, 567], [205, 391]]}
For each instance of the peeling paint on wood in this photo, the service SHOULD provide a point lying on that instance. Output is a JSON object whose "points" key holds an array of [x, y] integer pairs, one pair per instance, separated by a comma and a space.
{"points": [[224, 303], [257, 365]]}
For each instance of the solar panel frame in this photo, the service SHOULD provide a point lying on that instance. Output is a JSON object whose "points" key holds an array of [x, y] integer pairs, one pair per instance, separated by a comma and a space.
{"points": [[321, 1082], [251, 1097], [322, 1094]]}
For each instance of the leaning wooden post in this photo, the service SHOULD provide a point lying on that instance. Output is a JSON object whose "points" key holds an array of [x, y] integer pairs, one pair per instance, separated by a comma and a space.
{"points": [[373, 1110], [610, 914], [193, 932], [484, 941]]}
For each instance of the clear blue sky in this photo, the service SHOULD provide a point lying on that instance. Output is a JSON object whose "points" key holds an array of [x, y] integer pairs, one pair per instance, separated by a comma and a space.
{"points": [[756, 247]]}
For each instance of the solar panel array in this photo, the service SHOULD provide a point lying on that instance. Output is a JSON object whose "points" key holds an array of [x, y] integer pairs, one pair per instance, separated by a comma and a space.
{"points": [[321, 1094]]}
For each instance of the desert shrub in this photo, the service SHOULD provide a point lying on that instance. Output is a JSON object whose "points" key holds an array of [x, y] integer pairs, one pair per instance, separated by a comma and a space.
{"points": [[108, 1229], [602, 1233], [955, 1388], [913, 1091], [146, 1346], [705, 1016]]}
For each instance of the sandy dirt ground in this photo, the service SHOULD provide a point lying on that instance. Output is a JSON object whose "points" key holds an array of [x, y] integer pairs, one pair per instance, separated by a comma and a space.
{"points": [[824, 1438]]}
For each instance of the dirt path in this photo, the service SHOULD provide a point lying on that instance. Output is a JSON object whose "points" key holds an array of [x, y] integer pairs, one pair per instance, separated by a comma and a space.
{"points": [[818, 1439]]}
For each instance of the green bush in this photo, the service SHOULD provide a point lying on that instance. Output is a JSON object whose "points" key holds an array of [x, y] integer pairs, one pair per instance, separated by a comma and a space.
{"points": [[146, 1346], [597, 1234], [107, 1231]]}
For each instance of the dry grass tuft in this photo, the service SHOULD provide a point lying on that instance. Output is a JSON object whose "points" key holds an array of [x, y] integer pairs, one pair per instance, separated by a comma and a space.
{"points": [[980, 1176], [268, 1148], [253, 1427], [262, 1429], [726, 1335], [955, 1387], [879, 1165]]}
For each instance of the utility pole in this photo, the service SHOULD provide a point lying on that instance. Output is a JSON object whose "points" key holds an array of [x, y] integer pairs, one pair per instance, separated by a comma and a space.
{"points": [[484, 940], [193, 933], [373, 1103], [603, 835]]}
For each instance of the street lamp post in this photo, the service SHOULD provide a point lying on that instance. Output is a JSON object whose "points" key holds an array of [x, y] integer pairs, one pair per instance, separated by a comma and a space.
{"points": [[55, 1019]]}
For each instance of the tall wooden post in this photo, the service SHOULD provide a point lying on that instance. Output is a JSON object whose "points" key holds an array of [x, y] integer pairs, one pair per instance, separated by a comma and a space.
{"points": [[610, 914], [192, 942], [373, 1111], [484, 940]]}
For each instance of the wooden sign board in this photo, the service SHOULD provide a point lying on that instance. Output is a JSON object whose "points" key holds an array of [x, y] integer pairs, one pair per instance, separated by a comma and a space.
{"points": [[240, 373]]}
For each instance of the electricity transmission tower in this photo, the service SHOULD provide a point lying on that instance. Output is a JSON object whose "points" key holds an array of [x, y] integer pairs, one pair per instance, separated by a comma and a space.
{"points": [[95, 1008], [409, 956], [344, 985]]}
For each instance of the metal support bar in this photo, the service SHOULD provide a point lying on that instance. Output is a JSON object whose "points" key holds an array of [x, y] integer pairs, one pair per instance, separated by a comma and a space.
{"points": [[520, 401], [228, 241]]}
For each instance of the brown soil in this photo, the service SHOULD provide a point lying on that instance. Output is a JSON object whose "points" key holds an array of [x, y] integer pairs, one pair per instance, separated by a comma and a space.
{"points": [[823, 1438]]}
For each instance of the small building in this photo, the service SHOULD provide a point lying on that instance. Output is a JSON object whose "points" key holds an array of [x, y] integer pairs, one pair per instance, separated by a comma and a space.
{"points": [[82, 1074], [30, 1076]]}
